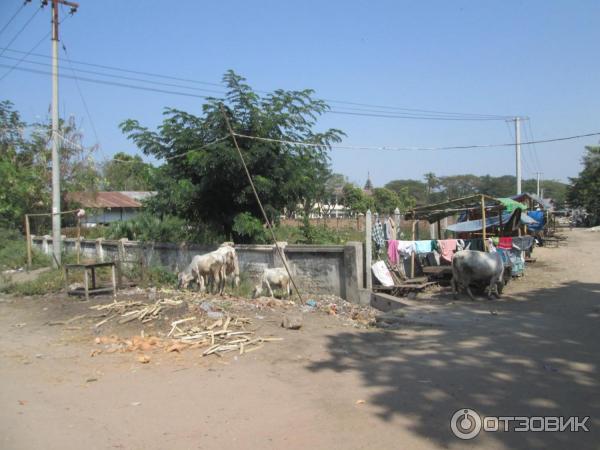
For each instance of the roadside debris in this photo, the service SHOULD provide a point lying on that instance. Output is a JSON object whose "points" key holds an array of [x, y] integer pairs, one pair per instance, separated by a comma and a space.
{"points": [[133, 310], [292, 321], [221, 336]]}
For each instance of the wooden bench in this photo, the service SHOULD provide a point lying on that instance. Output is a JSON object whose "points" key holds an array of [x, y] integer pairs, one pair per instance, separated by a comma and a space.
{"points": [[88, 269]]}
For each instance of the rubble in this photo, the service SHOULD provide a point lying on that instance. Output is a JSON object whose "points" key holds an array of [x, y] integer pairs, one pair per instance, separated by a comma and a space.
{"points": [[292, 321]]}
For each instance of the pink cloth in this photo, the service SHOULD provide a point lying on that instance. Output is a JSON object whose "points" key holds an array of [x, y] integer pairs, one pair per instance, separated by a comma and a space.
{"points": [[393, 251], [447, 248], [505, 243]]}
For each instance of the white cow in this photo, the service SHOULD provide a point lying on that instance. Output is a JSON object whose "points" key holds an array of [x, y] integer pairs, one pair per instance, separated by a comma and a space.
{"points": [[208, 270], [273, 277], [232, 266], [469, 266]]}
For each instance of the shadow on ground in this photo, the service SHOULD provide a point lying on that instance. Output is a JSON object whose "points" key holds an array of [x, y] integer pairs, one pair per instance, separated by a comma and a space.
{"points": [[536, 354]]}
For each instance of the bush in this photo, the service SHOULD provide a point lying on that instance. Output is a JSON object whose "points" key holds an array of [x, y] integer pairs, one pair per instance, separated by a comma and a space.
{"points": [[248, 229], [46, 282], [13, 252]]}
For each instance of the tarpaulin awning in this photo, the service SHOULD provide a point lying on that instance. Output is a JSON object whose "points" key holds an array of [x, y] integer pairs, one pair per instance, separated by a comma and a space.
{"points": [[510, 222], [437, 211], [511, 204]]}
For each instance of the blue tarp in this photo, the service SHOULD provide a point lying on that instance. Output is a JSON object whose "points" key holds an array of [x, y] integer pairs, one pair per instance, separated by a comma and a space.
{"points": [[539, 218], [470, 226]]}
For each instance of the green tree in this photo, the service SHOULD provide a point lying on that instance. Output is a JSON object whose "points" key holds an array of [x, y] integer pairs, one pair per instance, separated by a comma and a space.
{"points": [[25, 165], [415, 189], [584, 191], [386, 200], [203, 173], [355, 199], [127, 173]]}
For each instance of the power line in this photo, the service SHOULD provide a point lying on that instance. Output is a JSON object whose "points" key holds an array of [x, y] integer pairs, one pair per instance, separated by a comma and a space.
{"points": [[386, 109], [85, 106], [121, 77], [407, 116], [14, 16], [21, 29], [112, 83], [186, 94], [19, 61], [455, 147]]}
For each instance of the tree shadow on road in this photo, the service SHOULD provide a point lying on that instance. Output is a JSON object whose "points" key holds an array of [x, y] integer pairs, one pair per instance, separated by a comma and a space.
{"points": [[535, 354]]}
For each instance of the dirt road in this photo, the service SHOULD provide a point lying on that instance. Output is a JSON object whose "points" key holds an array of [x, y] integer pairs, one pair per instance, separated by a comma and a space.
{"points": [[326, 386]]}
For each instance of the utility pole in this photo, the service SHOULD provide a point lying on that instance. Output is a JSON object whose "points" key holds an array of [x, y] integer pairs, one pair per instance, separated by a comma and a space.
{"points": [[518, 152], [56, 222], [538, 182]]}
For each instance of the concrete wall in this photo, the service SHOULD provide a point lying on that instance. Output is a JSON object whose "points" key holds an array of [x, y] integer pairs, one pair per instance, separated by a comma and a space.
{"points": [[317, 269]]}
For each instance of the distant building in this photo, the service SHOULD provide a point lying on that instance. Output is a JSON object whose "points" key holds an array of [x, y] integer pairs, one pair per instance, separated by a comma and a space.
{"points": [[368, 189], [106, 207]]}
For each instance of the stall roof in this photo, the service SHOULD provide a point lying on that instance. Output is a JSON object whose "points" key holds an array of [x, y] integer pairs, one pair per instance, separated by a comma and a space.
{"points": [[511, 204], [438, 211], [510, 222]]}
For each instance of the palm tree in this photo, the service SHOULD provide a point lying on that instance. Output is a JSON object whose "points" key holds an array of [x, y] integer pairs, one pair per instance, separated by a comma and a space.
{"points": [[432, 183]]}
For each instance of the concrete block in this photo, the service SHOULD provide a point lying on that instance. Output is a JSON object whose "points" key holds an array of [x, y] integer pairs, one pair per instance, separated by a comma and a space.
{"points": [[385, 302]]}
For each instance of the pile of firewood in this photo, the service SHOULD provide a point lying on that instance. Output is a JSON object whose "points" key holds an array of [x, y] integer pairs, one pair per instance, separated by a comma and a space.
{"points": [[222, 336], [132, 310]]}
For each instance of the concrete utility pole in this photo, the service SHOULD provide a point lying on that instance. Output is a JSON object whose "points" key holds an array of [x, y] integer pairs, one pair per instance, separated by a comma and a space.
{"points": [[56, 222], [518, 151], [538, 183]]}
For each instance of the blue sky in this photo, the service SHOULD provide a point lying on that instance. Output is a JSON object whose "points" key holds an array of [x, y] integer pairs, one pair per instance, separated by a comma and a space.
{"points": [[533, 58]]}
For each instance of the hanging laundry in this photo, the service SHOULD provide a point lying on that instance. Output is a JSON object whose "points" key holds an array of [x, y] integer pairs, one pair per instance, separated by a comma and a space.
{"points": [[390, 229], [406, 248], [447, 248], [393, 251], [523, 243], [378, 237], [423, 246], [505, 243]]}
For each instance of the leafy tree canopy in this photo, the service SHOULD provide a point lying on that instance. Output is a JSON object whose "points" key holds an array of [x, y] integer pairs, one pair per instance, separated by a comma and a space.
{"points": [[584, 191], [203, 179], [26, 165], [127, 173]]}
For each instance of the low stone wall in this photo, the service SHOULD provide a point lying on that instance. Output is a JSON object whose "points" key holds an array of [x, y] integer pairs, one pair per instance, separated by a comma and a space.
{"points": [[317, 269]]}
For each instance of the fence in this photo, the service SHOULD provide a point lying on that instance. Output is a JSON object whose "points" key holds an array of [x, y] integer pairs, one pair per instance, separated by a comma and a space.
{"points": [[317, 269]]}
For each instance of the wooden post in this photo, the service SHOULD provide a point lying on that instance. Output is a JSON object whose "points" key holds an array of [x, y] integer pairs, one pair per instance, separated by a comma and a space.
{"points": [[439, 229], [368, 250], [483, 223], [78, 238], [114, 280], [86, 283], [412, 258], [28, 238], [500, 231]]}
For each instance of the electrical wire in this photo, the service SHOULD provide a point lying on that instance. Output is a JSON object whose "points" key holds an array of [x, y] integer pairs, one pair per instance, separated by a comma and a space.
{"points": [[21, 30], [26, 54], [121, 77], [352, 105], [14, 16], [455, 147], [85, 105]]}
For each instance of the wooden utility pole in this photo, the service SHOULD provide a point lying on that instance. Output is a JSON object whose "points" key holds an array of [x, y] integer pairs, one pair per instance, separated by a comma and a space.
{"points": [[56, 222]]}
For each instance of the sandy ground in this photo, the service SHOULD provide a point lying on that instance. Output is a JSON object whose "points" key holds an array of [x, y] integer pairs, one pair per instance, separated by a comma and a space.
{"points": [[328, 385]]}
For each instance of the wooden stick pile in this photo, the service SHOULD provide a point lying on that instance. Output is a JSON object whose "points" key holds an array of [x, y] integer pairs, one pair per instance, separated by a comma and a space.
{"points": [[142, 312], [220, 340]]}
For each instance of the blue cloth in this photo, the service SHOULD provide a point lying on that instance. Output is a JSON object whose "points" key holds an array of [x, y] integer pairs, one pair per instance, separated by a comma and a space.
{"points": [[423, 246], [538, 216]]}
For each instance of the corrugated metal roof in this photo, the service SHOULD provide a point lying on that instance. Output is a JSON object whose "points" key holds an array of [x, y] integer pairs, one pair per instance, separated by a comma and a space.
{"points": [[106, 199]]}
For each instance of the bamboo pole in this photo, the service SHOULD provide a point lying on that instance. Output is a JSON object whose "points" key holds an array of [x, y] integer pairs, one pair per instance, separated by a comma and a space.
{"points": [[483, 224], [78, 238], [28, 237], [412, 258]]}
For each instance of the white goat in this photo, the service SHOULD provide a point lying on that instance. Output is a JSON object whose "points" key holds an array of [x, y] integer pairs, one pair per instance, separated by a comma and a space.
{"points": [[273, 277]]}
